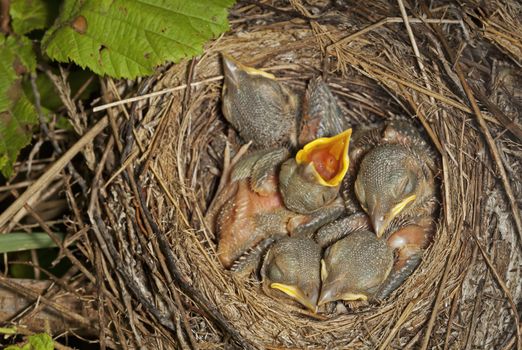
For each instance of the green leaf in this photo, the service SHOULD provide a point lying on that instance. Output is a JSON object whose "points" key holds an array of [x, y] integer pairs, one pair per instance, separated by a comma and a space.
{"points": [[17, 114], [18, 241], [16, 58], [28, 15], [41, 342], [128, 38]]}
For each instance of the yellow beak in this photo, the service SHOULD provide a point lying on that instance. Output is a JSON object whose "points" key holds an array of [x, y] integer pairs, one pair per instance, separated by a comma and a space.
{"points": [[330, 295], [353, 297], [329, 156], [381, 221], [296, 294], [400, 207], [232, 68]]}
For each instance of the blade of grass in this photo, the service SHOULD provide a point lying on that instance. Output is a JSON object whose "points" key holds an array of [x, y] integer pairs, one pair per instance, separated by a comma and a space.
{"points": [[18, 241]]}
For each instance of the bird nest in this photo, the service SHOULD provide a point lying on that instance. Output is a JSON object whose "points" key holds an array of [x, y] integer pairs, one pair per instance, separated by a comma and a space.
{"points": [[164, 285]]}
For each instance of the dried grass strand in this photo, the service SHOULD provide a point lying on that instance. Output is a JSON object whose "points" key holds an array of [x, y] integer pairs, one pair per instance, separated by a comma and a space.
{"points": [[153, 94], [53, 170]]}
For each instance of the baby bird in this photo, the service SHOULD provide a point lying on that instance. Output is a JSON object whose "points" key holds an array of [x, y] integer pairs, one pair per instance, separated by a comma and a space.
{"points": [[268, 112], [405, 239], [395, 186], [395, 178], [322, 115], [291, 269], [312, 179], [392, 182], [259, 107], [250, 205], [355, 267]]}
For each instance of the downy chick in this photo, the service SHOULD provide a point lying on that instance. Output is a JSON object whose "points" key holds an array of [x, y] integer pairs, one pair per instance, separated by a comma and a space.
{"points": [[312, 179], [291, 269], [260, 108], [355, 267]]}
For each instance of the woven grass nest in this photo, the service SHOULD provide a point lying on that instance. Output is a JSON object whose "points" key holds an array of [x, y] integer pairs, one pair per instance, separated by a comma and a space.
{"points": [[148, 214]]}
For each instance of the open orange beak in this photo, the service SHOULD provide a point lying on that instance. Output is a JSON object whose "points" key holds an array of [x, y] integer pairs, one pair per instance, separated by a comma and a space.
{"points": [[329, 157]]}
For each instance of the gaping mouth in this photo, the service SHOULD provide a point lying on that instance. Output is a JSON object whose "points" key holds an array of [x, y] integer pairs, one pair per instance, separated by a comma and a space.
{"points": [[329, 157]]}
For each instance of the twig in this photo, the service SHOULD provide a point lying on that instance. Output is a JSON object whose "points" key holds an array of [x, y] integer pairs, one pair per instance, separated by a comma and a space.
{"points": [[506, 122], [128, 161], [151, 150], [471, 327], [425, 124], [420, 89], [158, 135], [414, 45], [110, 252], [385, 21], [154, 94], [100, 288], [82, 88], [106, 97], [34, 308], [451, 317], [130, 316], [113, 257], [52, 171], [37, 198], [288, 13], [20, 184], [512, 341]]}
